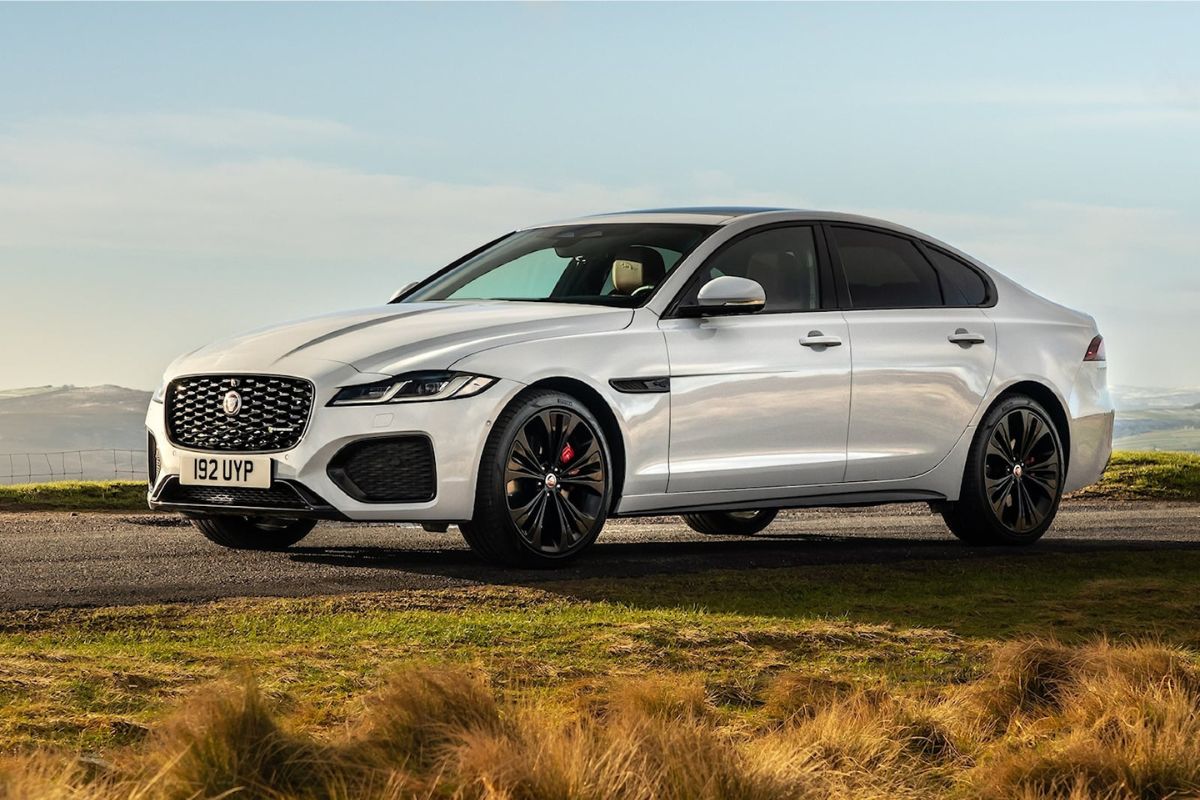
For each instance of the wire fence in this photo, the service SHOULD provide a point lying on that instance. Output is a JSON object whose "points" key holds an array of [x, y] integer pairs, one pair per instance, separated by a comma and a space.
{"points": [[72, 465]]}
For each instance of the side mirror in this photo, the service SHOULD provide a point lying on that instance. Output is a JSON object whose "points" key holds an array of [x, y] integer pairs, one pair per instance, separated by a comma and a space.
{"points": [[728, 295], [402, 291]]}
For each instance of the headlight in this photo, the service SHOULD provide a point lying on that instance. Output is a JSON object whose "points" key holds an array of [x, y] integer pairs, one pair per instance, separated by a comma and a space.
{"points": [[159, 393], [413, 387]]}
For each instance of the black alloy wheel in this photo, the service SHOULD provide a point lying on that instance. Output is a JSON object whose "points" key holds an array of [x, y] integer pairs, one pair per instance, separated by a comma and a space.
{"points": [[1022, 470], [555, 480], [1014, 476], [545, 483]]}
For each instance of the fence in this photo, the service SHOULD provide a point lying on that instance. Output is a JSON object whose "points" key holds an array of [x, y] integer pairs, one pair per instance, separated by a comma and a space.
{"points": [[66, 465]]}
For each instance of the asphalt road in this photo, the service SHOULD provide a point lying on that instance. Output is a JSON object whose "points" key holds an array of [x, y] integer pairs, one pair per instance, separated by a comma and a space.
{"points": [[50, 560]]}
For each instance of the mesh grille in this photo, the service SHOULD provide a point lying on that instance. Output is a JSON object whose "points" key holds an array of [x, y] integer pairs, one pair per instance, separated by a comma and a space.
{"points": [[272, 415], [281, 495], [393, 470], [153, 460]]}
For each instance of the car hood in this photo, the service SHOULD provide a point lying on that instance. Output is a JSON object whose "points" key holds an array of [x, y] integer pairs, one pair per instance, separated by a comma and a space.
{"points": [[397, 338]]}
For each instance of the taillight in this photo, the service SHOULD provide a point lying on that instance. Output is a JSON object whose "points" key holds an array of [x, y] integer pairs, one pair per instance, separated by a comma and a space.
{"points": [[1095, 351]]}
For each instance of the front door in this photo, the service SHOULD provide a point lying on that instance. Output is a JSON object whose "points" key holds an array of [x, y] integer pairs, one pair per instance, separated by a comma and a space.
{"points": [[761, 400]]}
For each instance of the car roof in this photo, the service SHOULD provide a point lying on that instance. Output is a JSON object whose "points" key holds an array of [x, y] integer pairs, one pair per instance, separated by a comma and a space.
{"points": [[724, 215]]}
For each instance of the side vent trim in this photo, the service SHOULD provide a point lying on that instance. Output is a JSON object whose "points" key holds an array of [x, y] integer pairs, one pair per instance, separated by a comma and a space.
{"points": [[659, 385]]}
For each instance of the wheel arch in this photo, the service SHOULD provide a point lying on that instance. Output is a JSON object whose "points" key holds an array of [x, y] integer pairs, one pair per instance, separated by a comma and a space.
{"points": [[1049, 400], [602, 411]]}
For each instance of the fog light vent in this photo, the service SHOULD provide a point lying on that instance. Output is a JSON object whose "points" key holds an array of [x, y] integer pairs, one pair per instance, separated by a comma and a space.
{"points": [[396, 469]]}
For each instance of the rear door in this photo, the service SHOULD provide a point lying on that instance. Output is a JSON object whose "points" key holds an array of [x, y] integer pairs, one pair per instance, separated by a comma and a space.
{"points": [[923, 353], [761, 400]]}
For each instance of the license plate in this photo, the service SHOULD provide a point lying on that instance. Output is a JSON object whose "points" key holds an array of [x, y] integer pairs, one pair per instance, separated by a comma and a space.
{"points": [[252, 472]]}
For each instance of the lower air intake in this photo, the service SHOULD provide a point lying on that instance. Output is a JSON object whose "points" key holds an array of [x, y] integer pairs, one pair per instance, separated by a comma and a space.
{"points": [[279, 496], [397, 469]]}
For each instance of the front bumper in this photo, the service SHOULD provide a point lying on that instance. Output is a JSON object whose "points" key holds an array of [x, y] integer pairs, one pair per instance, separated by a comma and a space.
{"points": [[457, 428]]}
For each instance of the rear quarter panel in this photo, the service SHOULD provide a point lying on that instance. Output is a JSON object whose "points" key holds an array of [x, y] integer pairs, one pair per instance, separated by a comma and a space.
{"points": [[1040, 341]]}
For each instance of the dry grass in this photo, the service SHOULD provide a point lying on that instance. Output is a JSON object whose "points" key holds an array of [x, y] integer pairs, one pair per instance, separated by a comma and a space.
{"points": [[1102, 720]]}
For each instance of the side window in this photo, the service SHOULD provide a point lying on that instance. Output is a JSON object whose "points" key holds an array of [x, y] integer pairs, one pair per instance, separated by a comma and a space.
{"points": [[964, 286], [782, 260], [885, 271]]}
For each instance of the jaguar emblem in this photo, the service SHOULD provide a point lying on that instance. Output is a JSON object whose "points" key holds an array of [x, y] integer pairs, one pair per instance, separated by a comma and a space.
{"points": [[232, 404]]}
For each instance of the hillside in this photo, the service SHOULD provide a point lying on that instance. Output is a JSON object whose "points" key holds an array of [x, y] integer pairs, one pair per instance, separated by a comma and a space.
{"points": [[1157, 419], [51, 419]]}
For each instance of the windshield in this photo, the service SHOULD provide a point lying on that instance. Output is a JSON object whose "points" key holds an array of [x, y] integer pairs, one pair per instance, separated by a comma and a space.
{"points": [[605, 264]]}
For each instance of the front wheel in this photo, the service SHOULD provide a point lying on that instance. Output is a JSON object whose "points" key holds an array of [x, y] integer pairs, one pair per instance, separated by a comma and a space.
{"points": [[731, 523], [1014, 477], [545, 483], [253, 533]]}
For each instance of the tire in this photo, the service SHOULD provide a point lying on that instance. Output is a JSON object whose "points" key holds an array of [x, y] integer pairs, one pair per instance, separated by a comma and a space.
{"points": [[545, 483], [731, 523], [253, 533], [1013, 481]]}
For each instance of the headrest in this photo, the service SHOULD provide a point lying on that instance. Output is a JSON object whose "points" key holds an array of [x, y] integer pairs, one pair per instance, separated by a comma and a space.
{"points": [[635, 267]]}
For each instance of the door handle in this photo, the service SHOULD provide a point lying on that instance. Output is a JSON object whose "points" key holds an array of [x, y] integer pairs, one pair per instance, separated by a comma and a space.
{"points": [[964, 336], [818, 339]]}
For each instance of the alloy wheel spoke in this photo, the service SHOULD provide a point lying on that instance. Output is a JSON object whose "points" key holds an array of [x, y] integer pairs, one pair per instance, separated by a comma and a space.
{"points": [[999, 493], [1022, 511], [1048, 484], [524, 454], [1000, 442], [580, 520], [566, 530], [522, 514], [1032, 515], [1033, 433]]}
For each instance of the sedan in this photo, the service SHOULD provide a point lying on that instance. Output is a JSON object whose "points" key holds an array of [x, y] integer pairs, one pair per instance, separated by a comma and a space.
{"points": [[720, 364]]}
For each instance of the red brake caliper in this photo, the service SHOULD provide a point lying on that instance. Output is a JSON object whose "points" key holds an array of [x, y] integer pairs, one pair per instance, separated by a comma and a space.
{"points": [[567, 454]]}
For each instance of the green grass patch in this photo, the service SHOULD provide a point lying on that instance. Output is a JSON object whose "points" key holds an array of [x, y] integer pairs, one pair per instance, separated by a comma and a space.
{"points": [[1149, 475], [94, 679], [74, 496]]}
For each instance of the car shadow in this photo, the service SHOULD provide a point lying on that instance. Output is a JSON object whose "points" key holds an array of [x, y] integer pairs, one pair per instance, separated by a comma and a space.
{"points": [[635, 559]]}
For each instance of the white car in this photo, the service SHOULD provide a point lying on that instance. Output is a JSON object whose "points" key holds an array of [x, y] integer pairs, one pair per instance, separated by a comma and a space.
{"points": [[717, 363]]}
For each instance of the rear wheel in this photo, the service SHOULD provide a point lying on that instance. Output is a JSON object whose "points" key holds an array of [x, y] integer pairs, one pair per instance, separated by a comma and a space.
{"points": [[1014, 476], [545, 483], [731, 523], [253, 533]]}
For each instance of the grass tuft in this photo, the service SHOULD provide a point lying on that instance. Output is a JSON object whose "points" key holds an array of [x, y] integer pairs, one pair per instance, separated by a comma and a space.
{"points": [[1098, 720], [422, 712]]}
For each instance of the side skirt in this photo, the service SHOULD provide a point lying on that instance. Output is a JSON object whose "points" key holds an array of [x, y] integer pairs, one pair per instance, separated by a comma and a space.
{"points": [[842, 499]]}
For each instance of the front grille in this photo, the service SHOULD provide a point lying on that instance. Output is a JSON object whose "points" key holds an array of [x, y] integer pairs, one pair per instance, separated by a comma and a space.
{"points": [[397, 469], [271, 414], [281, 495]]}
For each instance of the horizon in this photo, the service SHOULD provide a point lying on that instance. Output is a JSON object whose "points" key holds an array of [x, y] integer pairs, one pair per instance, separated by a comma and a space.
{"points": [[184, 173]]}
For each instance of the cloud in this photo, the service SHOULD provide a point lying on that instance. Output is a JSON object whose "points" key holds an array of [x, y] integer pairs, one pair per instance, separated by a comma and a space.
{"points": [[122, 184], [1171, 102], [218, 129]]}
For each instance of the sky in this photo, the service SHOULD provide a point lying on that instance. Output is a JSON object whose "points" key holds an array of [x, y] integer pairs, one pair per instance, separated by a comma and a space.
{"points": [[171, 174]]}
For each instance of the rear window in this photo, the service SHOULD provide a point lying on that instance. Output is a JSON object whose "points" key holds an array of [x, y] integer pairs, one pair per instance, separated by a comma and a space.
{"points": [[962, 283], [885, 271]]}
